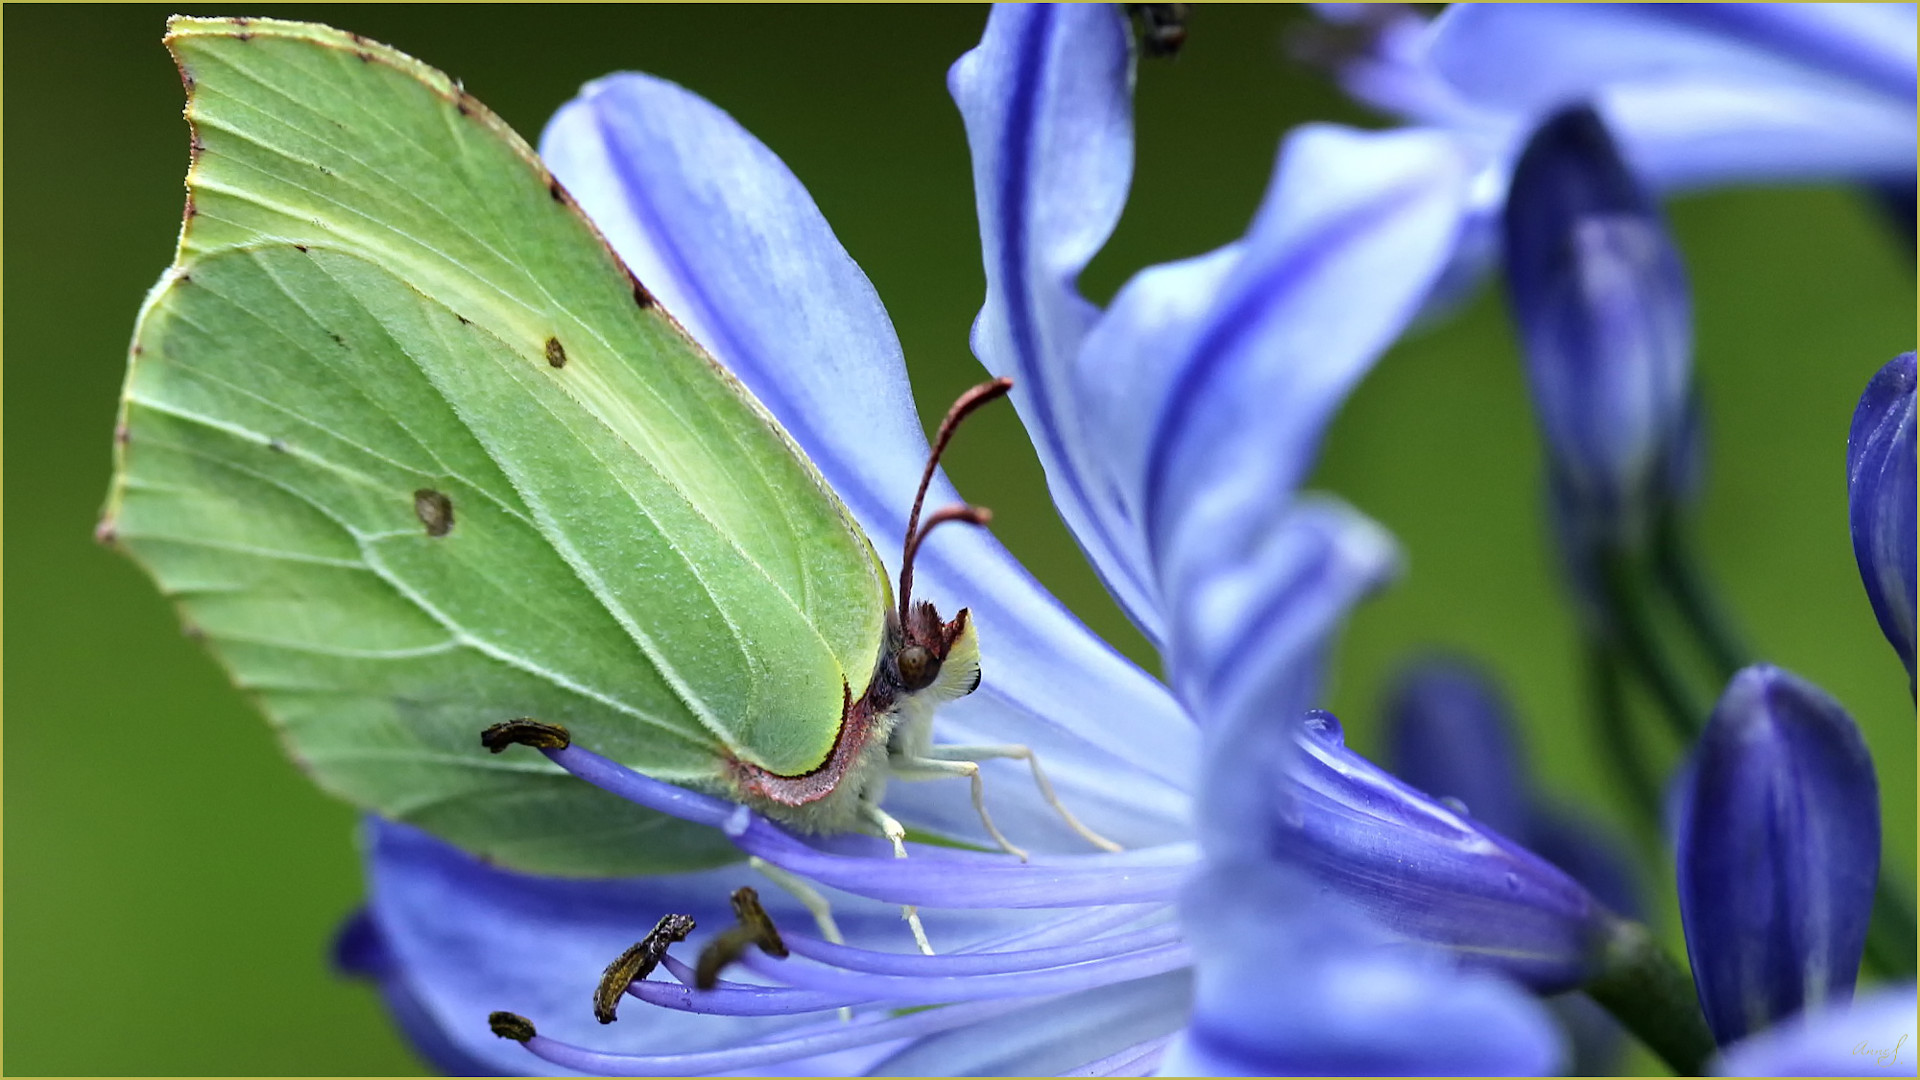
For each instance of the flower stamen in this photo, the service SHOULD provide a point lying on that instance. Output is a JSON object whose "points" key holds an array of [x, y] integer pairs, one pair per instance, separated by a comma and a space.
{"points": [[636, 963]]}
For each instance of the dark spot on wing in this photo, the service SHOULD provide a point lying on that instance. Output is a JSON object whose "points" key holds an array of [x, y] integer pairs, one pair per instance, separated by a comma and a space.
{"points": [[120, 433], [434, 510], [640, 294], [192, 632], [243, 36], [464, 321], [104, 532], [337, 339], [191, 209], [365, 57], [276, 446], [554, 189], [556, 354], [301, 248]]}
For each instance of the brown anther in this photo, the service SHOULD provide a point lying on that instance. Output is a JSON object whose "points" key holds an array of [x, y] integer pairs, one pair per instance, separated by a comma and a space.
{"points": [[511, 1026], [525, 731], [754, 928], [637, 963], [746, 908]]}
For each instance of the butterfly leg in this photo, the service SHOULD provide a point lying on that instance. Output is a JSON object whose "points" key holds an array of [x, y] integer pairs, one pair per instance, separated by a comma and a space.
{"points": [[896, 833], [972, 754], [932, 768]]}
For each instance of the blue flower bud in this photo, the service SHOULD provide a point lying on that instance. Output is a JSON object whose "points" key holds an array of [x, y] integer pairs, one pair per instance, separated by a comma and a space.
{"points": [[1449, 734], [1880, 499], [1605, 319], [1779, 852]]}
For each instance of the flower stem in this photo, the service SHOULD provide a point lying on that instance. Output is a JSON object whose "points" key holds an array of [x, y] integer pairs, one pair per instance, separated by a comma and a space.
{"points": [[1652, 997], [1694, 598], [1630, 766], [1630, 621]]}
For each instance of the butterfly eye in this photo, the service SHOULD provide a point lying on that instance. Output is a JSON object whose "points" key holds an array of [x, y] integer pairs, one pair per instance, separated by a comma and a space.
{"points": [[918, 667]]}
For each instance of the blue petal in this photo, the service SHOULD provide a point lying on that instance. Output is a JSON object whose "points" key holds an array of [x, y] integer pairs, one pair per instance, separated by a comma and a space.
{"points": [[1250, 634], [1430, 874], [728, 239], [1603, 309], [1779, 851], [360, 949], [1289, 984], [1880, 499], [465, 939], [1450, 734], [1530, 58], [1047, 100], [1872, 1036], [1053, 1038], [1353, 231], [1690, 133], [1591, 855]]}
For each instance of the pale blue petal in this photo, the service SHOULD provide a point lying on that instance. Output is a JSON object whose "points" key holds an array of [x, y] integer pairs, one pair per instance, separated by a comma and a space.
{"points": [[1533, 57], [1872, 1036], [1055, 1036], [466, 939], [1047, 100], [729, 241], [1690, 133], [1353, 232], [1289, 983], [1702, 94]]}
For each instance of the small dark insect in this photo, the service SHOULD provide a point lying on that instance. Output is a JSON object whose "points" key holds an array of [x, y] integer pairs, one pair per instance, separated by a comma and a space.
{"points": [[1163, 27], [556, 355], [434, 510]]}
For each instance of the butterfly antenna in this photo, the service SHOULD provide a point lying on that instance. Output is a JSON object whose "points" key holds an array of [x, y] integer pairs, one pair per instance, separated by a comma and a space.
{"points": [[962, 408]]}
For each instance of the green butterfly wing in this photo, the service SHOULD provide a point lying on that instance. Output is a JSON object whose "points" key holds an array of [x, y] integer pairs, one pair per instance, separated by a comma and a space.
{"points": [[414, 452]]}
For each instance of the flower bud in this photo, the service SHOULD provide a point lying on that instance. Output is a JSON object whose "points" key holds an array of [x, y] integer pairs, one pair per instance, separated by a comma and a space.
{"points": [[1449, 733], [1605, 320], [1880, 499], [1779, 852]]}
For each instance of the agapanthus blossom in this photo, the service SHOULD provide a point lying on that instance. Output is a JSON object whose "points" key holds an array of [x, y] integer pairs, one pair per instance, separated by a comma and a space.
{"points": [[1696, 94], [1175, 428]]}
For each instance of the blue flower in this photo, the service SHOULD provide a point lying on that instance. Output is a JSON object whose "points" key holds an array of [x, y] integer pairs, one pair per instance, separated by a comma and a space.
{"points": [[1779, 851], [1175, 428], [1880, 499], [1696, 94]]}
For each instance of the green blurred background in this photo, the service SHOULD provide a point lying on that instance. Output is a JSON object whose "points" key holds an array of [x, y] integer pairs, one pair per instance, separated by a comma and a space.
{"points": [[172, 882]]}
